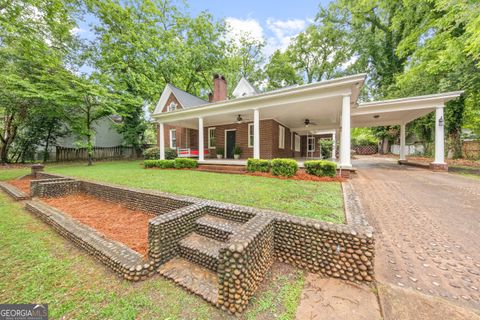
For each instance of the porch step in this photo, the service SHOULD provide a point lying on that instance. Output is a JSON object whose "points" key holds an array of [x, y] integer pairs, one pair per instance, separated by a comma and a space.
{"points": [[193, 277], [201, 250], [13, 191], [216, 228], [222, 168]]}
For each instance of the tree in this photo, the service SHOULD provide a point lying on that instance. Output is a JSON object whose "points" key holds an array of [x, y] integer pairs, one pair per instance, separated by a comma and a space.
{"points": [[280, 72], [35, 43]]}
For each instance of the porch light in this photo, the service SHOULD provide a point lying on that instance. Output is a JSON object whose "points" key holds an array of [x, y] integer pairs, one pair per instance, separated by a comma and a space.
{"points": [[376, 116], [239, 119], [440, 121]]}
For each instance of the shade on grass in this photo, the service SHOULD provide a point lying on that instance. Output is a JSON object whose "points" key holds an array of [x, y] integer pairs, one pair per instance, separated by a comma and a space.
{"points": [[319, 200]]}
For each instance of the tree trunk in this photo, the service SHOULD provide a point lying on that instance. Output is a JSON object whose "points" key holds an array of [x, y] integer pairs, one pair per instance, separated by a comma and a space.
{"points": [[47, 142]]}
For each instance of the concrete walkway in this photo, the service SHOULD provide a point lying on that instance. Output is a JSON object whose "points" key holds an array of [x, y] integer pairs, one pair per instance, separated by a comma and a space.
{"points": [[427, 244]]}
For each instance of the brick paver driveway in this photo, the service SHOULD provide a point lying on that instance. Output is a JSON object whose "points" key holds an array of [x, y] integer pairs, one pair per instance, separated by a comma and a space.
{"points": [[428, 228]]}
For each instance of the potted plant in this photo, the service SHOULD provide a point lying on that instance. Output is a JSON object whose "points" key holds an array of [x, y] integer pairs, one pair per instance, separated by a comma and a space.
{"points": [[220, 152], [237, 151]]}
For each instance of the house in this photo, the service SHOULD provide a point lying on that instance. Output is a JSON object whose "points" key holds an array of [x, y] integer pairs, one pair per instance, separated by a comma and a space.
{"points": [[287, 122]]}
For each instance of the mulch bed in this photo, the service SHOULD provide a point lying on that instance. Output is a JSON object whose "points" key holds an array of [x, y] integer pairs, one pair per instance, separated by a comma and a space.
{"points": [[300, 175], [22, 184], [115, 221]]}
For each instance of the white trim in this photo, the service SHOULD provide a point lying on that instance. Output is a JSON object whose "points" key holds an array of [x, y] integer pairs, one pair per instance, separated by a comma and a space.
{"points": [[225, 137], [328, 88], [171, 140], [256, 134], [299, 143], [314, 142], [250, 125], [172, 107], [281, 137], [162, 140], [201, 139], [445, 95], [208, 138]]}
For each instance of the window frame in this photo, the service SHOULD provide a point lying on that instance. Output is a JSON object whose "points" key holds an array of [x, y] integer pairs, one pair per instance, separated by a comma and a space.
{"points": [[308, 144], [281, 137], [251, 138], [172, 104], [209, 139], [171, 140]]}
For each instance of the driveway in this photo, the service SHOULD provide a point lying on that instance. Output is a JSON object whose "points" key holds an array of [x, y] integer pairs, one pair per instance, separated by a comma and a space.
{"points": [[427, 228]]}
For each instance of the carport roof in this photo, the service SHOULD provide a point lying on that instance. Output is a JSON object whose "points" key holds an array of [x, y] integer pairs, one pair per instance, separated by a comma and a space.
{"points": [[398, 111]]}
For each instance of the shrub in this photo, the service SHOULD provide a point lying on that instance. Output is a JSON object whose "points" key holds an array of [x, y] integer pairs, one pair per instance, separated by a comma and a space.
{"points": [[284, 167], [220, 151], [260, 165], [154, 153], [151, 153], [326, 146], [162, 164], [237, 150], [170, 154], [182, 163], [321, 168]]}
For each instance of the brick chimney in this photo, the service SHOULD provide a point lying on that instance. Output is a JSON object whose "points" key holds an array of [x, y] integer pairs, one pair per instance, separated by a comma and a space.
{"points": [[219, 88]]}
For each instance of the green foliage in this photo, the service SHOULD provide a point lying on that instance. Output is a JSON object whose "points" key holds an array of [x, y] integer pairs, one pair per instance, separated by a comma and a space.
{"points": [[321, 168], [326, 146], [151, 153], [284, 167], [280, 72], [237, 150], [185, 163], [162, 164], [220, 150], [364, 137], [258, 165], [154, 153]]}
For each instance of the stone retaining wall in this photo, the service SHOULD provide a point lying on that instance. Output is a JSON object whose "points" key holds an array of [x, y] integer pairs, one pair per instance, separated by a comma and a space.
{"points": [[120, 258], [166, 231], [244, 261], [51, 188]]}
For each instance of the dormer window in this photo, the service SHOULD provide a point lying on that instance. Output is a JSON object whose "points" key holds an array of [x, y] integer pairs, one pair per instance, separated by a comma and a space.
{"points": [[172, 107]]}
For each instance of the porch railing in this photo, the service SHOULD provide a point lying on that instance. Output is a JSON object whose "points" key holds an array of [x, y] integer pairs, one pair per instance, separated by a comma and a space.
{"points": [[190, 152]]}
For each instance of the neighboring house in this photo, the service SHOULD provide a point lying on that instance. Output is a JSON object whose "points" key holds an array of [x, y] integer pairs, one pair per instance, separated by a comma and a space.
{"points": [[286, 122]]}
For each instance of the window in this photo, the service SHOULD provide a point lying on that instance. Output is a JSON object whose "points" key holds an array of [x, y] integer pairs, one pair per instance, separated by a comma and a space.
{"points": [[281, 137], [173, 138], [211, 138], [310, 144], [297, 143], [250, 135], [172, 107]]}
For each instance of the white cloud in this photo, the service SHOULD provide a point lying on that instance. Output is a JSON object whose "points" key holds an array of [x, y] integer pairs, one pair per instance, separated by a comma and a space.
{"points": [[77, 30], [283, 32], [277, 33], [238, 28]]}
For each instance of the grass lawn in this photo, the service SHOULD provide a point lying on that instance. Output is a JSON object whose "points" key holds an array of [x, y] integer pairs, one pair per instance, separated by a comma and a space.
{"points": [[39, 266], [320, 200]]}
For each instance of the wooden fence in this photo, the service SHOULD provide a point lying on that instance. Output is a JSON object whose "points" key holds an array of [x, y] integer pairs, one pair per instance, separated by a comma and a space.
{"points": [[99, 153], [471, 149]]}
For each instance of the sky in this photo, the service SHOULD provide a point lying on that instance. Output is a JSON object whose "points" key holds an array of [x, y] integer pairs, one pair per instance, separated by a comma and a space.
{"points": [[275, 21]]}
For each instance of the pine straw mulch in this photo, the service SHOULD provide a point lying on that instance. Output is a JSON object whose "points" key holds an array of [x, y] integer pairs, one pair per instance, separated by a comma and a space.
{"points": [[115, 221], [22, 184], [300, 175]]}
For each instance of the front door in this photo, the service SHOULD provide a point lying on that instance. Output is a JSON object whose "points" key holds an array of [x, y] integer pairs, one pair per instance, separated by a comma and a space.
{"points": [[230, 143]]}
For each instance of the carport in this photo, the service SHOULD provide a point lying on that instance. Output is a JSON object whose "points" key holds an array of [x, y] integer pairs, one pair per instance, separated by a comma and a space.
{"points": [[404, 110]]}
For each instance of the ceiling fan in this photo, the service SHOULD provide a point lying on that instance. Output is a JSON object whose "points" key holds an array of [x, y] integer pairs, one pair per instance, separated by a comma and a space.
{"points": [[307, 122], [240, 119]]}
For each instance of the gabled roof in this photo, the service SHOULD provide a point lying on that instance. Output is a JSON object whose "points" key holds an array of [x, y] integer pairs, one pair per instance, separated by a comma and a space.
{"points": [[244, 89], [186, 99]]}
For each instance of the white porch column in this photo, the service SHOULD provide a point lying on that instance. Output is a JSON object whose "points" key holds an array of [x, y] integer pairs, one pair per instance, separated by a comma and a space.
{"points": [[334, 145], [439, 136], [256, 134], [201, 149], [402, 142], [162, 140], [345, 161]]}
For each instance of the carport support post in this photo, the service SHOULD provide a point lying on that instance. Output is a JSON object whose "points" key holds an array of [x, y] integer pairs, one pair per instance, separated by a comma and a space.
{"points": [[439, 163], [201, 150], [345, 161], [162, 140], [256, 134], [402, 142]]}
